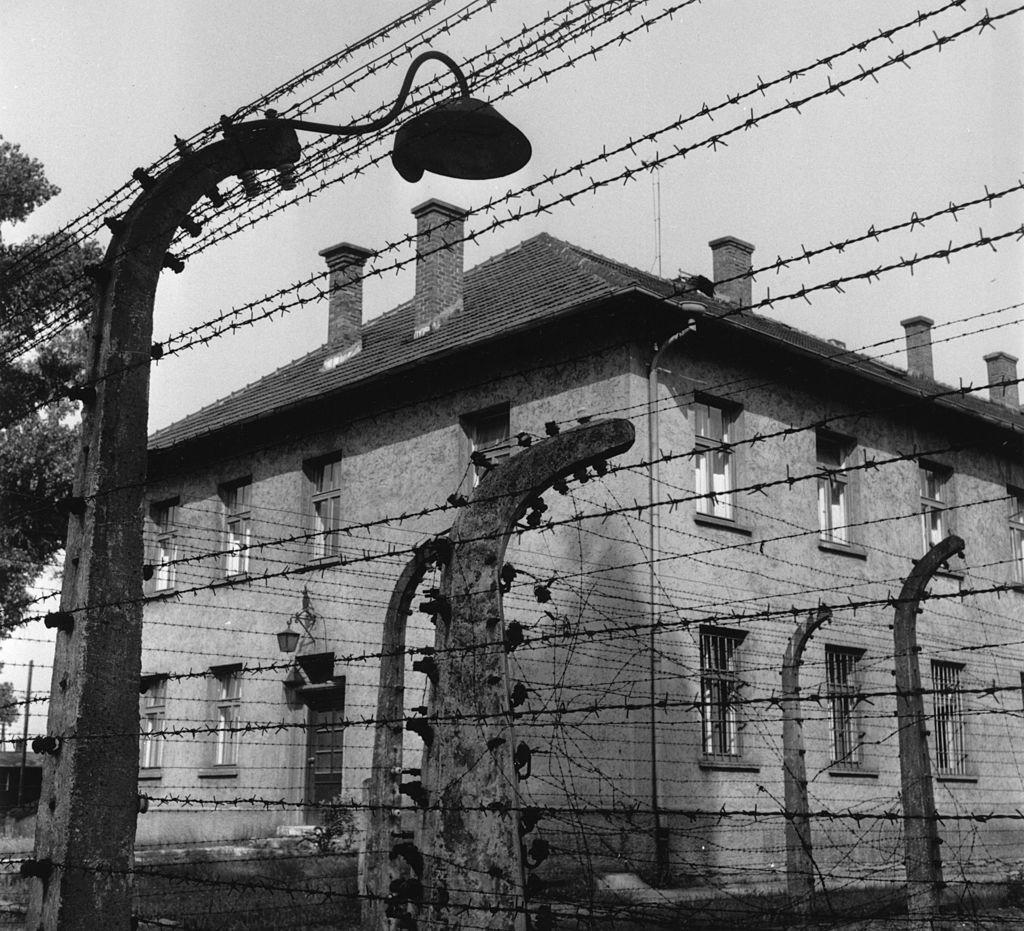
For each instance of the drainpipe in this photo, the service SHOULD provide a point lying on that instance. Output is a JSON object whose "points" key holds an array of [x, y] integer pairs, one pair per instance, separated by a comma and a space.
{"points": [[653, 549]]}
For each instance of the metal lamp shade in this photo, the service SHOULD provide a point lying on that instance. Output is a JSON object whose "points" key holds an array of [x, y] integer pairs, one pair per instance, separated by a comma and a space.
{"points": [[462, 138], [288, 640]]}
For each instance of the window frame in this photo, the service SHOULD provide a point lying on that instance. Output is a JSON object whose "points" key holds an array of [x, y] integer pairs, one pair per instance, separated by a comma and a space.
{"points": [[497, 451], [843, 706], [932, 504], [152, 717], [712, 504], [831, 477], [1015, 523], [226, 700], [236, 555], [720, 686], [164, 515], [324, 543], [951, 756]]}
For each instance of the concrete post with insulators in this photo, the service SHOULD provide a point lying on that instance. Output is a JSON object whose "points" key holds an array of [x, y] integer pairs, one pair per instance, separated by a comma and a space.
{"points": [[473, 859], [920, 825], [799, 850], [382, 866], [85, 829]]}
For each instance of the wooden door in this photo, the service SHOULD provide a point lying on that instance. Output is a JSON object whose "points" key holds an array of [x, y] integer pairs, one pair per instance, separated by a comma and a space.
{"points": [[325, 739]]}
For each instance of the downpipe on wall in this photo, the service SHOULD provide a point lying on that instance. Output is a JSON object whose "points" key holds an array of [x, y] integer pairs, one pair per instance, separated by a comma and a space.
{"points": [[661, 851]]}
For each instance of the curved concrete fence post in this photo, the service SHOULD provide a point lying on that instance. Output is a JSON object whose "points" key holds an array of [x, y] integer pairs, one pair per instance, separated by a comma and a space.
{"points": [[87, 812], [473, 862], [799, 851], [920, 826], [383, 821]]}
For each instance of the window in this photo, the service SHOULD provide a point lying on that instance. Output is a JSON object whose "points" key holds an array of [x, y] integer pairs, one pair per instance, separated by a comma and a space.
{"points": [[488, 434], [153, 714], [950, 750], [719, 691], [165, 517], [228, 702], [1017, 534], [238, 525], [713, 468], [833, 491], [326, 480], [843, 681], [934, 501]]}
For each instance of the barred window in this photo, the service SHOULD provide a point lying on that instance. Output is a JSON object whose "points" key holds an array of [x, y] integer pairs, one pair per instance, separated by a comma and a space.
{"points": [[842, 678], [237, 497], [228, 700], [714, 473], [327, 522], [153, 715], [833, 491], [720, 691], [950, 746]]}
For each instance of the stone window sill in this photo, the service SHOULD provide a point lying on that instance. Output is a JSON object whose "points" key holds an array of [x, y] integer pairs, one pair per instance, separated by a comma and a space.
{"points": [[154, 594], [843, 549], [219, 772], [723, 523], [736, 766], [234, 579], [151, 775], [851, 773], [950, 777]]}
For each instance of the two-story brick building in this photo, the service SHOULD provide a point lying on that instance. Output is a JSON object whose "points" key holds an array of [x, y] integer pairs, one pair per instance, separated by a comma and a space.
{"points": [[309, 487]]}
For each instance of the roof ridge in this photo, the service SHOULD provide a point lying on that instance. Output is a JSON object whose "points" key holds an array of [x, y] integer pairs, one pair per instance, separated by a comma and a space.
{"points": [[619, 267]]}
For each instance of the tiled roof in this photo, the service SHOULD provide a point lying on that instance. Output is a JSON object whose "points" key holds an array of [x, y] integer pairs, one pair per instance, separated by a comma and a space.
{"points": [[540, 278]]}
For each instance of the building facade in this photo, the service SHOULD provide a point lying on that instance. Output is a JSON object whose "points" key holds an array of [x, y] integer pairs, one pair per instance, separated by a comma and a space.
{"points": [[773, 473]]}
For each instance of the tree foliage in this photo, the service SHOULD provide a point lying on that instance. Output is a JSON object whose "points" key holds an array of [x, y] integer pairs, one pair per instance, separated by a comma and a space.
{"points": [[8, 705], [23, 184], [38, 428]]}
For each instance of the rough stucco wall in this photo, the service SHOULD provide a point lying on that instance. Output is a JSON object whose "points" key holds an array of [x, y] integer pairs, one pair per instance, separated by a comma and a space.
{"points": [[414, 454], [408, 456], [798, 572]]}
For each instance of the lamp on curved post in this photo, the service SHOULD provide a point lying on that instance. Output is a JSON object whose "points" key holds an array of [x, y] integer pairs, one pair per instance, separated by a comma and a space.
{"points": [[462, 138], [88, 807]]}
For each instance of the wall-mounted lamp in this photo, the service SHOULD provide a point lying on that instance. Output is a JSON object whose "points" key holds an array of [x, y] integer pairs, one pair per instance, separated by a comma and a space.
{"points": [[306, 618]]}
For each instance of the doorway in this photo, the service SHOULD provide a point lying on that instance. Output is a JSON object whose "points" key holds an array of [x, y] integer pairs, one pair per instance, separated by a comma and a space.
{"points": [[325, 743]]}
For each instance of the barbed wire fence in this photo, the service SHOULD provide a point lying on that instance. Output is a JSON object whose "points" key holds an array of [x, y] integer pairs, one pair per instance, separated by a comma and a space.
{"points": [[577, 643]]}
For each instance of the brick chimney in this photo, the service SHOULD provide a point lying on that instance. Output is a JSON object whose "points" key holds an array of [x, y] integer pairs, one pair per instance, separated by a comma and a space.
{"points": [[1003, 367], [731, 256], [345, 311], [919, 346], [439, 231]]}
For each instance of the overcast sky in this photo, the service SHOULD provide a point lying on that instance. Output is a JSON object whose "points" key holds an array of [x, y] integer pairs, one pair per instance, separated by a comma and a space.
{"points": [[94, 91]]}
